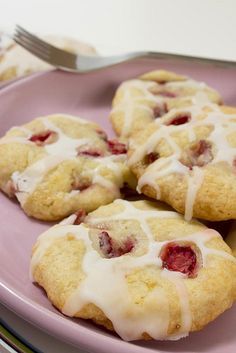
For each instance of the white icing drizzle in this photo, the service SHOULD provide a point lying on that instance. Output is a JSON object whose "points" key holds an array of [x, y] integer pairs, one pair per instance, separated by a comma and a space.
{"points": [[222, 126], [128, 319], [158, 169], [46, 239], [72, 194], [26, 181], [129, 103], [111, 161], [69, 117], [15, 139], [64, 145], [131, 212], [195, 180], [64, 148], [107, 184], [187, 83], [69, 220], [184, 302]]}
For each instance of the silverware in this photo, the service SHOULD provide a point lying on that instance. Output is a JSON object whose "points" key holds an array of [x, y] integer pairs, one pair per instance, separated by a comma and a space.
{"points": [[82, 63]]}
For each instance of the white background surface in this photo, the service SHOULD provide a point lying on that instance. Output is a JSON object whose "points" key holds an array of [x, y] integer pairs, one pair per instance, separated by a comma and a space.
{"points": [[196, 27]]}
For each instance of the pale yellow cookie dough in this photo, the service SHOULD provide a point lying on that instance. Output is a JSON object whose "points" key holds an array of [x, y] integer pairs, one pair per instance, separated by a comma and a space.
{"points": [[139, 101], [115, 269], [58, 164], [187, 158]]}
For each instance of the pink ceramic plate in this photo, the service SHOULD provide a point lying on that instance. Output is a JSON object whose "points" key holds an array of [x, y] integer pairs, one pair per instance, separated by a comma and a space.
{"points": [[89, 96]]}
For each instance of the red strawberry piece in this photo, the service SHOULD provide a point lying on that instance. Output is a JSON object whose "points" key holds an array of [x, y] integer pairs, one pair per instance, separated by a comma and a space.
{"points": [[44, 138], [116, 147], [90, 153], [79, 184], [127, 246], [160, 110], [198, 154], [202, 147], [180, 119], [151, 157], [80, 216], [110, 248], [180, 258], [105, 243]]}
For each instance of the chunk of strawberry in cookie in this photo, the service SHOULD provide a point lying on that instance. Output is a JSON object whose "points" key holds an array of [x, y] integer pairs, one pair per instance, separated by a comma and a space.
{"points": [[180, 258], [151, 157], [80, 184], [110, 247], [90, 152], [44, 138], [180, 119], [105, 243], [199, 154], [116, 147]]}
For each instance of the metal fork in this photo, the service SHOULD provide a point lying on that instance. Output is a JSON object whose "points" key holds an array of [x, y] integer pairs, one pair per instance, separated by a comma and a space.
{"points": [[83, 63]]}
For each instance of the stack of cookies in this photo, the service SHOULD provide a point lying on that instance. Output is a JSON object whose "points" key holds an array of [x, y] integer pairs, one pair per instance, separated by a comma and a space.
{"points": [[144, 267]]}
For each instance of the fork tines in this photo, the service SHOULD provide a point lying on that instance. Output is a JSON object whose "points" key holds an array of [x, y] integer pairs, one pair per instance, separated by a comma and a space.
{"points": [[32, 43]]}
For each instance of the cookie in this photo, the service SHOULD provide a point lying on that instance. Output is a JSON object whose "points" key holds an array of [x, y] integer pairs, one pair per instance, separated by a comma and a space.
{"points": [[138, 102], [187, 159], [231, 238], [137, 268], [15, 61], [59, 163]]}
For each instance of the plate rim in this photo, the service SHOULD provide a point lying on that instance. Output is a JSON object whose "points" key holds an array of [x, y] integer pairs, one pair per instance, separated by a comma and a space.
{"points": [[89, 339], [20, 304]]}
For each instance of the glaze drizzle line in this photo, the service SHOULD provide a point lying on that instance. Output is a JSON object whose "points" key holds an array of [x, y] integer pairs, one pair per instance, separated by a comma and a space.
{"points": [[62, 149], [129, 103], [220, 126], [110, 298]]}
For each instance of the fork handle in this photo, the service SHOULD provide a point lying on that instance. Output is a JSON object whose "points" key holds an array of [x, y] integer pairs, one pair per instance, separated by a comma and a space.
{"points": [[195, 59], [91, 63]]}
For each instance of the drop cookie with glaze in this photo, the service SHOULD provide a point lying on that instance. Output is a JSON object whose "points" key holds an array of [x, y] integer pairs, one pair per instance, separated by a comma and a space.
{"points": [[59, 163], [139, 101], [137, 268], [187, 159]]}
